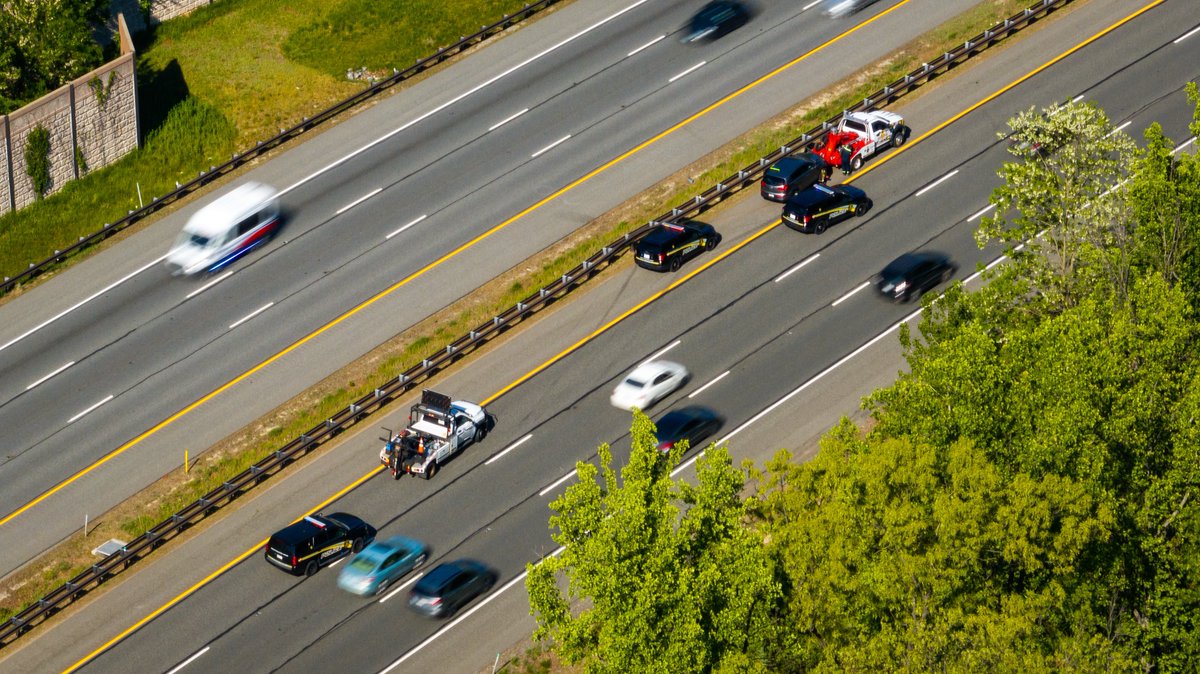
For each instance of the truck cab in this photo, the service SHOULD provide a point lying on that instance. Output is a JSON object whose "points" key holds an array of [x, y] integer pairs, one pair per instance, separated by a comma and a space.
{"points": [[438, 428]]}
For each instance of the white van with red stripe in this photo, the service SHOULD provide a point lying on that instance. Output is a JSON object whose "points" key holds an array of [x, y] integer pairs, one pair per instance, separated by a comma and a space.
{"points": [[228, 228]]}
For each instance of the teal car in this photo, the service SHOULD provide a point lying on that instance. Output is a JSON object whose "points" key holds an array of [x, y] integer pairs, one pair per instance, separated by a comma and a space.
{"points": [[381, 563]]}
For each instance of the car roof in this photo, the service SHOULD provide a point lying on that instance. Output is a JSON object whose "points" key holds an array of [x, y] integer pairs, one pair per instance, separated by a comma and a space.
{"points": [[789, 166], [651, 368], [215, 218], [436, 579], [302, 530], [675, 418], [906, 262], [817, 194], [666, 232]]}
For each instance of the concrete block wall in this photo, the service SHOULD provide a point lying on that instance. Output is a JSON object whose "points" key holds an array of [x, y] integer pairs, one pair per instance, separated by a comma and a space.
{"points": [[161, 10], [94, 117]]}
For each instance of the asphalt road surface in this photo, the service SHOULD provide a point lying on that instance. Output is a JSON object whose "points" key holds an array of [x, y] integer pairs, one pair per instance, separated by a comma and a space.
{"points": [[760, 329], [97, 360]]}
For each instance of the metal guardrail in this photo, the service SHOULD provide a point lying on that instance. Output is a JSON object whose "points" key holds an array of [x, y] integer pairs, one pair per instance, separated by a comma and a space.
{"points": [[36, 269], [169, 528]]}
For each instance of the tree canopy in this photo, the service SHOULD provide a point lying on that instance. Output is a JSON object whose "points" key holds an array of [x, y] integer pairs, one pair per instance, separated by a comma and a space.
{"points": [[45, 44], [1025, 498]]}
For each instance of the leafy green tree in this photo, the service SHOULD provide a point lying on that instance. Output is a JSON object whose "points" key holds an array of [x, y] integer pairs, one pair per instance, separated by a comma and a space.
{"points": [[1060, 210], [659, 576], [46, 43]]}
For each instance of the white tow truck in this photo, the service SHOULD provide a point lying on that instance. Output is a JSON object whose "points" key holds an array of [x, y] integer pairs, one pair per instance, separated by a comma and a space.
{"points": [[438, 428]]}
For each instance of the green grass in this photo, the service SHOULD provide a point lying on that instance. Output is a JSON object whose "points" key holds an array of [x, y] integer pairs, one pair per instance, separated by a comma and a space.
{"points": [[192, 136]]}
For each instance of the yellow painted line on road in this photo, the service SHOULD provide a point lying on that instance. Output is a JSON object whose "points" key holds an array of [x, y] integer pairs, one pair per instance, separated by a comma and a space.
{"points": [[213, 576], [436, 263], [607, 326]]}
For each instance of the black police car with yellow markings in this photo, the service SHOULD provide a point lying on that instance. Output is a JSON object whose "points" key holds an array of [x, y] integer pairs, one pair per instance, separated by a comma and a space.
{"points": [[669, 244], [317, 540], [819, 206]]}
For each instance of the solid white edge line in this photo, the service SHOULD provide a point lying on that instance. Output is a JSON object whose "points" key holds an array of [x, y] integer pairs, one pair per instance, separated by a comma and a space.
{"points": [[1183, 145], [189, 661], [645, 46], [487, 600], [208, 285], [810, 5], [661, 351], [43, 379], [339, 561], [415, 221], [508, 449], [935, 183], [252, 314], [358, 201], [93, 407], [1077, 98], [980, 212], [698, 65], [338, 162], [1186, 35], [83, 302], [796, 268], [557, 482], [718, 378], [506, 120], [402, 586], [847, 296], [551, 146]]}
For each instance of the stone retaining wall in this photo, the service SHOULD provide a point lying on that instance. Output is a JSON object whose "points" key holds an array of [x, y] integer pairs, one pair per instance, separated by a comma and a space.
{"points": [[92, 122]]}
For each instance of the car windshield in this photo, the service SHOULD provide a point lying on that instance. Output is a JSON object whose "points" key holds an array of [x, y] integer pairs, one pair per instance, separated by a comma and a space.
{"points": [[670, 425]]}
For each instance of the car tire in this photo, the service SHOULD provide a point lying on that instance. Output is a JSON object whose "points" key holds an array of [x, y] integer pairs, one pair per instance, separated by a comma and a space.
{"points": [[900, 136], [819, 228], [431, 471], [856, 162], [357, 545], [712, 243], [479, 433], [676, 262], [310, 569], [861, 209], [383, 586]]}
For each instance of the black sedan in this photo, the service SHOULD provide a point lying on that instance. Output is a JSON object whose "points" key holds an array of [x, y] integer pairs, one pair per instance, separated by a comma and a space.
{"points": [[910, 275], [714, 20], [450, 586], [792, 175], [693, 424], [670, 244]]}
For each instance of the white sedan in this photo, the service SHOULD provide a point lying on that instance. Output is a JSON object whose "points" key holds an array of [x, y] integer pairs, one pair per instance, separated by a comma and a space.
{"points": [[647, 384]]}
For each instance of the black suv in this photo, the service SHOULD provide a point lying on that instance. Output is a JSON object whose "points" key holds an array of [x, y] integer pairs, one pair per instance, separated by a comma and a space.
{"points": [[317, 540], [443, 590], [714, 20], [669, 245], [819, 206], [910, 275], [792, 175]]}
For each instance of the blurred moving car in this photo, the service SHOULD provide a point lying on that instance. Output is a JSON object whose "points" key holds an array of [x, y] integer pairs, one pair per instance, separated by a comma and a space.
{"points": [[819, 206], [792, 175], [647, 384], [380, 563], [228, 228], [450, 586], [840, 8], [910, 275], [672, 244], [714, 20], [693, 423], [317, 540]]}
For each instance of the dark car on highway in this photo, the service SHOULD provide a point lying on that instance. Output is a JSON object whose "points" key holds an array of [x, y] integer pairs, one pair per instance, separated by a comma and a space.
{"points": [[820, 206], [317, 540], [792, 175], [714, 20], [693, 423], [449, 586], [670, 244], [910, 275]]}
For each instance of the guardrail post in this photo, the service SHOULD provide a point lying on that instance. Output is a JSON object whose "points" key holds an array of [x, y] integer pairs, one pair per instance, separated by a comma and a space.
{"points": [[566, 279], [497, 320], [355, 409], [425, 363], [449, 349], [520, 306]]}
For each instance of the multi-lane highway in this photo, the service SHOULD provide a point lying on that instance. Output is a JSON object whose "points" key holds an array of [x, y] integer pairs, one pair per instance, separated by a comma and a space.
{"points": [[775, 311], [114, 361]]}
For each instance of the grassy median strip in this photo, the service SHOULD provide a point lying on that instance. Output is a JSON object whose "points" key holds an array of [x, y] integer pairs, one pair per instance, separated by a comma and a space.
{"points": [[227, 75], [255, 441]]}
